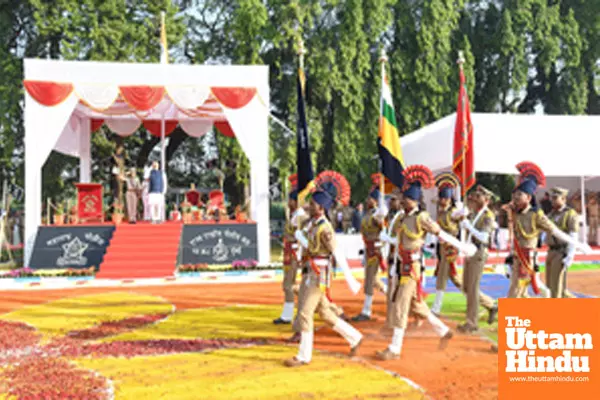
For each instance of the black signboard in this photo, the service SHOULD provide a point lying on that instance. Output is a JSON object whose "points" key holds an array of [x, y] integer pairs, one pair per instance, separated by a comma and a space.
{"points": [[70, 246], [217, 243]]}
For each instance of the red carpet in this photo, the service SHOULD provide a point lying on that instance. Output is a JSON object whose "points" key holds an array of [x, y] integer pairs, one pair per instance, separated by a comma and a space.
{"points": [[142, 251]]}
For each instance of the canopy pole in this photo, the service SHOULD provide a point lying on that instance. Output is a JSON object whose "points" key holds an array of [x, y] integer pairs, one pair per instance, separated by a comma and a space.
{"points": [[162, 163], [583, 211]]}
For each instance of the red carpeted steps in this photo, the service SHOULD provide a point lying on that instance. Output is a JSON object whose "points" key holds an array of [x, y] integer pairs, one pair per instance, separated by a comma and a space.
{"points": [[141, 250]]}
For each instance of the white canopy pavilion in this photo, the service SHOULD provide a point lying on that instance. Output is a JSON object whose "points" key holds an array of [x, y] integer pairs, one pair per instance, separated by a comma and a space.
{"points": [[66, 101], [565, 147]]}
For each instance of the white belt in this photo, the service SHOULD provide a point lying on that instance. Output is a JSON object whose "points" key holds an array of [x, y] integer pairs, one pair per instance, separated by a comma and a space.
{"points": [[321, 263], [294, 246], [378, 244]]}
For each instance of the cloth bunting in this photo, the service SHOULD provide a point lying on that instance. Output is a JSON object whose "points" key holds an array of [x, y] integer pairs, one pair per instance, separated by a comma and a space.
{"points": [[188, 97], [123, 127], [96, 124], [154, 127], [48, 93], [97, 97], [142, 97], [234, 97], [224, 128], [196, 128]]}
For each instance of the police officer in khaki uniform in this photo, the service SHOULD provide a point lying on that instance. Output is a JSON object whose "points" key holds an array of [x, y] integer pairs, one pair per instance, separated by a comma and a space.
{"points": [[321, 247], [446, 265], [394, 219], [291, 254], [480, 225], [408, 296], [527, 223], [371, 227], [560, 254]]}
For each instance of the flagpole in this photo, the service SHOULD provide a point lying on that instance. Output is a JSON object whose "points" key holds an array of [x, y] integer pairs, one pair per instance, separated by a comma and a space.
{"points": [[382, 59], [460, 62]]}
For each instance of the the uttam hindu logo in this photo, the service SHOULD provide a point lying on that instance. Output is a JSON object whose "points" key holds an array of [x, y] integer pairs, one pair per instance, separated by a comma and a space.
{"points": [[523, 344], [547, 348]]}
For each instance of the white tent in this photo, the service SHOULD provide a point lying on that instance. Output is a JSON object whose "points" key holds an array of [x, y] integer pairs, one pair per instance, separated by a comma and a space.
{"points": [[561, 145], [565, 147], [65, 99]]}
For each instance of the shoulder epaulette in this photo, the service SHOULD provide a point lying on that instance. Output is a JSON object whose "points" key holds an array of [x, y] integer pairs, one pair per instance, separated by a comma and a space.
{"points": [[321, 222]]}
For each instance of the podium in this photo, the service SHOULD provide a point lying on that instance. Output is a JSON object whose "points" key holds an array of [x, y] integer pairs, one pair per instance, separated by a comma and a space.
{"points": [[90, 204]]}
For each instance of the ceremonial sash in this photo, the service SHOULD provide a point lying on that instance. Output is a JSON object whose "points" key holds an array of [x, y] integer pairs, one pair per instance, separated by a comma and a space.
{"points": [[526, 273], [371, 252], [451, 254], [324, 283], [288, 252], [407, 272]]}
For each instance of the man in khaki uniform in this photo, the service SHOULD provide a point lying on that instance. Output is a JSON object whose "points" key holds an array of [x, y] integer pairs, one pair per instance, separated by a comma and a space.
{"points": [[446, 265], [408, 296], [291, 256], [527, 223], [371, 227], [321, 247], [560, 254], [480, 225], [592, 215], [393, 223], [132, 196]]}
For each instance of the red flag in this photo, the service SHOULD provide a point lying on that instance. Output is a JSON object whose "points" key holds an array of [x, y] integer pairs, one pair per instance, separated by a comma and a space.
{"points": [[462, 164]]}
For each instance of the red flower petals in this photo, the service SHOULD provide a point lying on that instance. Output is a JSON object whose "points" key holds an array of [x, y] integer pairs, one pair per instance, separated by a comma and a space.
{"points": [[52, 378], [113, 328], [130, 349], [16, 335]]}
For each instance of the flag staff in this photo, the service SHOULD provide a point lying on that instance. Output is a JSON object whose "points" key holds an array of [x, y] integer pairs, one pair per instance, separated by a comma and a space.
{"points": [[382, 59], [460, 62], [301, 53]]}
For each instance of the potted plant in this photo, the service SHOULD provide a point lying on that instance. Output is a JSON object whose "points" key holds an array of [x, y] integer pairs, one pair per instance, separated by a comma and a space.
{"points": [[117, 216], [73, 217], [198, 214], [186, 212], [175, 214], [59, 214]]}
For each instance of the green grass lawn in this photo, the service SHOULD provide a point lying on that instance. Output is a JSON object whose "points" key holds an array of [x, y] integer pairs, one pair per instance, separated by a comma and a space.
{"points": [[577, 267], [455, 307]]}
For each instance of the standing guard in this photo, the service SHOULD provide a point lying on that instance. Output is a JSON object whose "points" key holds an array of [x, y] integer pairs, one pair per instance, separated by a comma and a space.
{"points": [[560, 254], [480, 225]]}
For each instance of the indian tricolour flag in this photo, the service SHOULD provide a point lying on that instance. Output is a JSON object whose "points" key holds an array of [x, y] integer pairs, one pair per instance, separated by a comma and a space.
{"points": [[390, 152]]}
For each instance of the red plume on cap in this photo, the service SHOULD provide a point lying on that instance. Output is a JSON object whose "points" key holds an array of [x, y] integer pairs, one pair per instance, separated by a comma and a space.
{"points": [[335, 184], [446, 179], [419, 173], [528, 169], [293, 179], [376, 178]]}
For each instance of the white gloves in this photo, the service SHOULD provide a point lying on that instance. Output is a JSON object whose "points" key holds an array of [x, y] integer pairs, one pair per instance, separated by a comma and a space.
{"points": [[301, 238], [483, 237], [468, 248], [460, 212], [572, 240], [570, 257], [384, 237], [568, 260], [297, 214], [381, 212]]}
